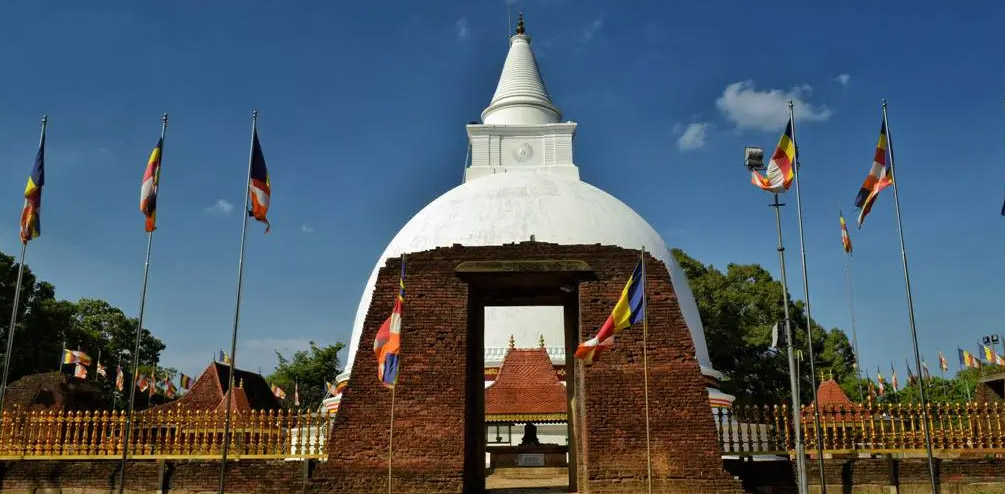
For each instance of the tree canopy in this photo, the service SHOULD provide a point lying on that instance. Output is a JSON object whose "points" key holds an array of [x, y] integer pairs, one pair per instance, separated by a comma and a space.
{"points": [[46, 325], [308, 369]]}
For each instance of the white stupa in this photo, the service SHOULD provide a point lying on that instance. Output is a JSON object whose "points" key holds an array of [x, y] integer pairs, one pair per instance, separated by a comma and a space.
{"points": [[522, 182]]}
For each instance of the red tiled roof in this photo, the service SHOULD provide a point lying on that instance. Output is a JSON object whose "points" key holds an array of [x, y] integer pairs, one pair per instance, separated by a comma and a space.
{"points": [[208, 392], [526, 384], [830, 394]]}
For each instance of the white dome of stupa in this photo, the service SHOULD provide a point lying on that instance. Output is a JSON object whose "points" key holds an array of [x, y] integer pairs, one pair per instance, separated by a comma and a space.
{"points": [[521, 183]]}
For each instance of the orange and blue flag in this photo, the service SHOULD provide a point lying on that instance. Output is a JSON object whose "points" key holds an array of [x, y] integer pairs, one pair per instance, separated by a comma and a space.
{"points": [[30, 215], [968, 359], [260, 188], [781, 168], [148, 190], [629, 309], [388, 342], [880, 177], [845, 237], [186, 382]]}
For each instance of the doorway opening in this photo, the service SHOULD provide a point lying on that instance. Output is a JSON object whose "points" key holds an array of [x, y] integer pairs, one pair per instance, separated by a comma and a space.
{"points": [[523, 326]]}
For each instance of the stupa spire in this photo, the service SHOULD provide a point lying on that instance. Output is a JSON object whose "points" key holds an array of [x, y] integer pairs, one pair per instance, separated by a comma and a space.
{"points": [[521, 97]]}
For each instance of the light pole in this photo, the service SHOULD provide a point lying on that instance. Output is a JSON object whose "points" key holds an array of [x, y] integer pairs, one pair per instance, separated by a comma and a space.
{"points": [[753, 159]]}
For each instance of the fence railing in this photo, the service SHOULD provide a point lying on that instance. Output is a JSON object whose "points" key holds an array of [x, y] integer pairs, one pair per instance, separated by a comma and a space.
{"points": [[864, 428], [163, 434]]}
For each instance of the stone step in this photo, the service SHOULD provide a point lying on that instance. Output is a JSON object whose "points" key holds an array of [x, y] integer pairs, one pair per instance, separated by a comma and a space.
{"points": [[530, 472]]}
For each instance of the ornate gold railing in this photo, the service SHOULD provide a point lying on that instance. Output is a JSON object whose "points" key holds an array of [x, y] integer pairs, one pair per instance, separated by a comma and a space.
{"points": [[158, 434], [870, 428]]}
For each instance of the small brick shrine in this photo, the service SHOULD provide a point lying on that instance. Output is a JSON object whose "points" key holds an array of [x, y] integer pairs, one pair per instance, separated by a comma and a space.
{"points": [[439, 434]]}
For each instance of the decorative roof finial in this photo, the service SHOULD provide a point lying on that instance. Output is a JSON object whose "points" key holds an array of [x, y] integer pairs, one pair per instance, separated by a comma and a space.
{"points": [[512, 342], [240, 383], [540, 340], [519, 24]]}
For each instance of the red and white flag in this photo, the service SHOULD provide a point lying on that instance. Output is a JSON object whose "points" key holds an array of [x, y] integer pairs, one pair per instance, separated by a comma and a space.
{"points": [[101, 371], [80, 371], [119, 378]]}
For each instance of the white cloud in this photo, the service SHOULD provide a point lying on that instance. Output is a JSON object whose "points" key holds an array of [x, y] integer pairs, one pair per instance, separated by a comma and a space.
{"points": [[843, 79], [306, 229], [221, 206], [768, 110], [693, 136], [592, 29], [463, 28]]}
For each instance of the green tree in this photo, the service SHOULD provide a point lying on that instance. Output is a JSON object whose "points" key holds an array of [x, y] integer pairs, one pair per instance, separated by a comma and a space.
{"points": [[308, 369], [738, 308]]}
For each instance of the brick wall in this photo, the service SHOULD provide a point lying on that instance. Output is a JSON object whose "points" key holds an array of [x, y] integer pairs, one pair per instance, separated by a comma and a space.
{"points": [[431, 397], [177, 477]]}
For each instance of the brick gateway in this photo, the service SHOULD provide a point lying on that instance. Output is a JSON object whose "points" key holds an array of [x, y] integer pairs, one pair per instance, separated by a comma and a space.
{"points": [[439, 412]]}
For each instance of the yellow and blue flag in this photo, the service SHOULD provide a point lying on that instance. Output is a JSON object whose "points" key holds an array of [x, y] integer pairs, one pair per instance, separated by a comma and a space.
{"points": [[781, 168], [880, 177], [387, 344], [30, 218], [151, 182], [629, 310]]}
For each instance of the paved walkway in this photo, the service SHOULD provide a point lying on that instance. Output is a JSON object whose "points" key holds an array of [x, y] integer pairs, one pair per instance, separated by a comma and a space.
{"points": [[504, 484]]}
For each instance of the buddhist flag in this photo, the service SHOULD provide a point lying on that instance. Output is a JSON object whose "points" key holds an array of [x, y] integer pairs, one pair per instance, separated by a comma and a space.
{"points": [[101, 370], [151, 181], [76, 357], [330, 389], [845, 237], [880, 177], [169, 388], [924, 371], [278, 392], [80, 371], [872, 388], [186, 382], [943, 364], [629, 310], [119, 378], [30, 219], [881, 382], [388, 342], [296, 394], [260, 188], [910, 375], [968, 359], [224, 358], [781, 168], [989, 354], [142, 383], [893, 379]]}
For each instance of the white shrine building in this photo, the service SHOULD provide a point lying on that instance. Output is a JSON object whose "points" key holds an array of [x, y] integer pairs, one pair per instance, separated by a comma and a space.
{"points": [[523, 183]]}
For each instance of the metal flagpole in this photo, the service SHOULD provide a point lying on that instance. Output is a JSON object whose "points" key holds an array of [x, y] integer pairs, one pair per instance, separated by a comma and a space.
{"points": [[910, 302], [390, 442], [854, 333], [793, 371], [62, 350], [809, 324], [237, 308], [136, 344], [17, 298], [390, 434], [645, 371]]}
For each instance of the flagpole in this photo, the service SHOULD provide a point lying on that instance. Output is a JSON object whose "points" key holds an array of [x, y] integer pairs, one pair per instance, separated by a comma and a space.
{"points": [[854, 332], [237, 308], [390, 434], [17, 297], [98, 365], [645, 371], [793, 371], [139, 332], [910, 300], [809, 318]]}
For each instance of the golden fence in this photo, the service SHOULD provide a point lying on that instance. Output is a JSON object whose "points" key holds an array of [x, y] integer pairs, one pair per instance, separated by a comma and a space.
{"points": [[188, 434], [956, 428]]}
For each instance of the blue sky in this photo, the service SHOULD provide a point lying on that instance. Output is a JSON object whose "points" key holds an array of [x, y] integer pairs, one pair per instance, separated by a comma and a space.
{"points": [[362, 114]]}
